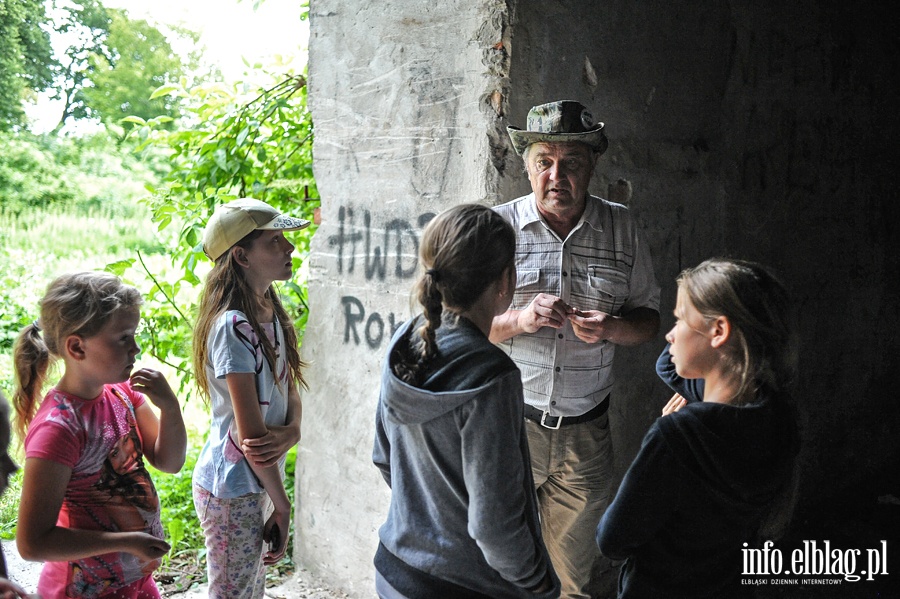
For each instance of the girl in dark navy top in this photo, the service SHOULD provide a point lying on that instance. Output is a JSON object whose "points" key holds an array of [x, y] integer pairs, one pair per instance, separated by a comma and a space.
{"points": [[714, 466]]}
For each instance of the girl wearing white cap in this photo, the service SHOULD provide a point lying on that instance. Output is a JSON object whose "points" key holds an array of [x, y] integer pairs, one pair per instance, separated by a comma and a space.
{"points": [[248, 368]]}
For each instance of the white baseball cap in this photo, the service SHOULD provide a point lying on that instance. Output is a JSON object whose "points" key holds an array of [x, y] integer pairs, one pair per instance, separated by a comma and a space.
{"points": [[235, 220]]}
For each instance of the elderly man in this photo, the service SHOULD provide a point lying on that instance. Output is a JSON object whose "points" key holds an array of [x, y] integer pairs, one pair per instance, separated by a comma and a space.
{"points": [[584, 285]]}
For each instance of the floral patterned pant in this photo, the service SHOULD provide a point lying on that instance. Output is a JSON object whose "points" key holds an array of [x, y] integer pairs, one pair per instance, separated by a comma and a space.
{"points": [[234, 543]]}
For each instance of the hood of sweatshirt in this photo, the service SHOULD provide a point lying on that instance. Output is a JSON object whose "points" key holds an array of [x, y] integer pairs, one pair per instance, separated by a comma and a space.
{"points": [[464, 364], [743, 454]]}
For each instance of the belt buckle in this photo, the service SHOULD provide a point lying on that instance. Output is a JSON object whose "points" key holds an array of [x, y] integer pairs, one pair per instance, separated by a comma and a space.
{"points": [[544, 421]]}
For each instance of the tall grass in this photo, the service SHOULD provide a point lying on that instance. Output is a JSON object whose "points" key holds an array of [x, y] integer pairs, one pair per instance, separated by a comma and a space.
{"points": [[95, 232], [9, 507], [38, 244]]}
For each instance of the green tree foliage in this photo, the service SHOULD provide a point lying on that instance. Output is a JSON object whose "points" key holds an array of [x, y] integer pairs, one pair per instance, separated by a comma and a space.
{"points": [[114, 63], [109, 69], [26, 58], [137, 60], [85, 26], [30, 176], [242, 142], [48, 171]]}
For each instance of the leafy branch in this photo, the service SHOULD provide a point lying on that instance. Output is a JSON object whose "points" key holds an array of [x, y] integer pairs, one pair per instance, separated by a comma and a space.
{"points": [[169, 299], [257, 144]]}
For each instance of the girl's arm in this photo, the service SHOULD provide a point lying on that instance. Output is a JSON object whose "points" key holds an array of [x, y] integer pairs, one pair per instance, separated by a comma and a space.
{"points": [[268, 449], [690, 389], [38, 538], [163, 440], [381, 449], [250, 425], [496, 482]]}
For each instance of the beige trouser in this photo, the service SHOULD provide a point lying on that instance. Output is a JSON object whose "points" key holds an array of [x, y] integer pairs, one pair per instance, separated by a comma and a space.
{"points": [[572, 468]]}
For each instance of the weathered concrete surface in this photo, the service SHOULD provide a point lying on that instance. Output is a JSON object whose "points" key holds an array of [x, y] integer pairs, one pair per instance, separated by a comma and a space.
{"points": [[760, 130], [400, 96]]}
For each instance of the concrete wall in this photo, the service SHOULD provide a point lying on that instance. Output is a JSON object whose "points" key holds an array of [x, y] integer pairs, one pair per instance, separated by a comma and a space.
{"points": [[760, 130], [400, 96]]}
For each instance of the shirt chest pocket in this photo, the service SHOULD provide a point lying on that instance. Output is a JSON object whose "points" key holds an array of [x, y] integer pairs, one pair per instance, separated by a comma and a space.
{"points": [[527, 287], [605, 288]]}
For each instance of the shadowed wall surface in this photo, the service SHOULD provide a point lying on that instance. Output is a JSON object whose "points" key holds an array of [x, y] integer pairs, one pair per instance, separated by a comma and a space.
{"points": [[765, 131]]}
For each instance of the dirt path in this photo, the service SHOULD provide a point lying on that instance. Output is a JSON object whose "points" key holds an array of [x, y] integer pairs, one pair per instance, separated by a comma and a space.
{"points": [[300, 586]]}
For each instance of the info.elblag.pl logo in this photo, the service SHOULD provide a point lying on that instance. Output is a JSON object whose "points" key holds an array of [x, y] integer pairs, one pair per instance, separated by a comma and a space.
{"points": [[815, 559]]}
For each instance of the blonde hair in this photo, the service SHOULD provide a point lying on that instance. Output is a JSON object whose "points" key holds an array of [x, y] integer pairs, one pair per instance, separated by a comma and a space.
{"points": [[464, 250], [227, 289], [762, 356], [78, 303]]}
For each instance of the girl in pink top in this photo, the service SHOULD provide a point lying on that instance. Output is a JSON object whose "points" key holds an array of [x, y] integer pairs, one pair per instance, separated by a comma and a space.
{"points": [[89, 509]]}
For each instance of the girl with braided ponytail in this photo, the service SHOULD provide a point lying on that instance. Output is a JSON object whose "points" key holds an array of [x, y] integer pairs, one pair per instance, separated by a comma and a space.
{"points": [[450, 438]]}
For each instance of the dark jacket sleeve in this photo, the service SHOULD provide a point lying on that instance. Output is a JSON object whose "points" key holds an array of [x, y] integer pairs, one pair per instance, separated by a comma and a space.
{"points": [[644, 501], [690, 389]]}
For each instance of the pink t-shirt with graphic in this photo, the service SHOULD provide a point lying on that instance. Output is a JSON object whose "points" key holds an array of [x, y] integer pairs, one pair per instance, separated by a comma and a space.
{"points": [[110, 488]]}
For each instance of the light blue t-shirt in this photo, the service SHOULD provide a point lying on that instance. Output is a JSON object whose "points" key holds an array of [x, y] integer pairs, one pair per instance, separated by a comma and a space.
{"points": [[234, 347]]}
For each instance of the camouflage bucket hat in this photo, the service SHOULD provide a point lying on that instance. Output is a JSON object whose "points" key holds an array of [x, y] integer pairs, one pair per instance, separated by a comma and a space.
{"points": [[565, 120]]}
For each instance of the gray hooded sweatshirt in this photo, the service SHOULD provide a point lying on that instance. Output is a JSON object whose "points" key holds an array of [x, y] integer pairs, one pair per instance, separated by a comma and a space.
{"points": [[455, 455]]}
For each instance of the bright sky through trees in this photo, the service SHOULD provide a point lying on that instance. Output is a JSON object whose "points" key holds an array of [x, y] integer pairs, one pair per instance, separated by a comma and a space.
{"points": [[230, 30]]}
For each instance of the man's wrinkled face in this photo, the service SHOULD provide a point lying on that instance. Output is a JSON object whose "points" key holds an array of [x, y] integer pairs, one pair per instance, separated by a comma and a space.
{"points": [[560, 174]]}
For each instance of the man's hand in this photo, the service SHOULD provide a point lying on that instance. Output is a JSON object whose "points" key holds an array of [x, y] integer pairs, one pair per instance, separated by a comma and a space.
{"points": [[637, 326], [591, 326], [544, 311], [267, 450]]}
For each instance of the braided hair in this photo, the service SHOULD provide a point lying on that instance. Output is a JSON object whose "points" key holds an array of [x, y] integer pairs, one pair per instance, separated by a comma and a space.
{"points": [[464, 250]]}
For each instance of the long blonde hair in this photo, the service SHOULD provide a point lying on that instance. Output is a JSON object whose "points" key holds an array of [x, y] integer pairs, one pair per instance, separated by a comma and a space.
{"points": [[78, 303], [227, 289], [763, 355]]}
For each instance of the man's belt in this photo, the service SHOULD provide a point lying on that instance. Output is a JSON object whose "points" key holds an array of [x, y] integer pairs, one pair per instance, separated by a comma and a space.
{"points": [[554, 422]]}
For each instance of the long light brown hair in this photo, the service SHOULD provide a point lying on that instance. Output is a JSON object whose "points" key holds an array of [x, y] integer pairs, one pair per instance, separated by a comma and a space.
{"points": [[227, 289], [464, 250], [78, 303], [762, 357]]}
